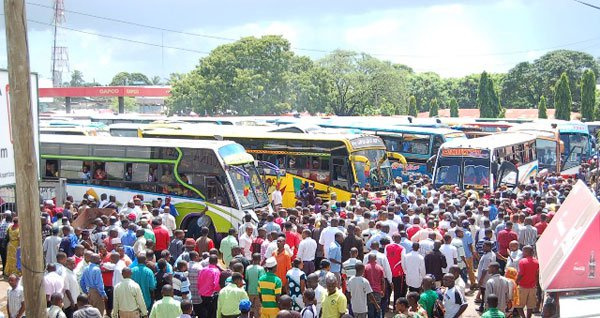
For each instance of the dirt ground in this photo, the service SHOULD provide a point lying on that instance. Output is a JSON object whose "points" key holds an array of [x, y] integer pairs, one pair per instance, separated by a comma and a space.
{"points": [[470, 313]]}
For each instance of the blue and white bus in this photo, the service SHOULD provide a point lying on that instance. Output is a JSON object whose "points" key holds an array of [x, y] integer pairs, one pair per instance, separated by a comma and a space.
{"points": [[416, 144], [508, 158]]}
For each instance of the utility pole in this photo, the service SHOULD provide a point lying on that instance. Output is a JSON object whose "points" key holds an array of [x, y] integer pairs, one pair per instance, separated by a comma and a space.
{"points": [[26, 174]]}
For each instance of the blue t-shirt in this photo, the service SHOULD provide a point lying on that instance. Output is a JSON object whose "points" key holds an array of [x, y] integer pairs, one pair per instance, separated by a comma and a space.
{"points": [[335, 252], [467, 241]]}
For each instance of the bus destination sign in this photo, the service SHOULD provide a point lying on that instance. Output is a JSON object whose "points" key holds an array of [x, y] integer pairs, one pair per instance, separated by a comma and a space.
{"points": [[465, 152], [366, 141]]}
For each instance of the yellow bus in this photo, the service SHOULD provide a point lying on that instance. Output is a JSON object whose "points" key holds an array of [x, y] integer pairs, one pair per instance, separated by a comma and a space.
{"points": [[331, 163]]}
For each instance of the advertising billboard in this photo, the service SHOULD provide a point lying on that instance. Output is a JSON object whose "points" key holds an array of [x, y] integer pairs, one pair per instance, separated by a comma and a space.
{"points": [[7, 164]]}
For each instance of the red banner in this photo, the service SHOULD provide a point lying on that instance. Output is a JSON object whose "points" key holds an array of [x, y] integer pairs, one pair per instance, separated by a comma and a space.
{"points": [[108, 91]]}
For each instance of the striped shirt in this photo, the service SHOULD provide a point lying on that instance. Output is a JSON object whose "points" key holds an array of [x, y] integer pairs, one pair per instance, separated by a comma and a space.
{"points": [[15, 299], [269, 286], [528, 235], [193, 271]]}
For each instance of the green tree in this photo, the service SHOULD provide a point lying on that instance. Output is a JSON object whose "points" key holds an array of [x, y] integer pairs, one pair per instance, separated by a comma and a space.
{"points": [[427, 86], [434, 108], [487, 98], [588, 95], [129, 79], [156, 80], [363, 84], [527, 82], [412, 106], [129, 103], [77, 79], [562, 98], [542, 110], [251, 76], [453, 108]]}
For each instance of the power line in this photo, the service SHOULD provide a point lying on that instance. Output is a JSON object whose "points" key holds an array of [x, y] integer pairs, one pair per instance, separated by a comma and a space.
{"points": [[137, 24], [518, 52], [588, 4], [122, 39]]}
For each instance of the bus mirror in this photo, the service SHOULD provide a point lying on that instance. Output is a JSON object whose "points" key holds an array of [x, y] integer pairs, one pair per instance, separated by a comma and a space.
{"points": [[359, 158], [397, 156], [495, 169], [430, 162]]}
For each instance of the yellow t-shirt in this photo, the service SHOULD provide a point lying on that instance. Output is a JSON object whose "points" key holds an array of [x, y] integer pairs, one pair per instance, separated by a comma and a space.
{"points": [[334, 305]]}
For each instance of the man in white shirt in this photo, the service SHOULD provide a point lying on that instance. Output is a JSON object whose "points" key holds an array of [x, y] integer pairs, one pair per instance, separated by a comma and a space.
{"points": [[51, 244], [276, 197], [246, 241], [307, 250], [413, 265], [328, 236], [53, 283], [168, 221], [71, 288], [450, 252], [455, 303]]}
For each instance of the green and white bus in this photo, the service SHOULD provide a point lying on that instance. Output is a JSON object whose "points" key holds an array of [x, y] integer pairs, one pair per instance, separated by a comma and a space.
{"points": [[211, 183]]}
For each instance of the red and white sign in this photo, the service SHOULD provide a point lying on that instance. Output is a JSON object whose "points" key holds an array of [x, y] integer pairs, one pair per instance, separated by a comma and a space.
{"points": [[568, 250], [7, 163], [108, 91]]}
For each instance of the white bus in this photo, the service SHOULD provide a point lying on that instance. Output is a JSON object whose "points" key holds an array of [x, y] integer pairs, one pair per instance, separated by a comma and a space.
{"points": [[212, 183], [486, 162]]}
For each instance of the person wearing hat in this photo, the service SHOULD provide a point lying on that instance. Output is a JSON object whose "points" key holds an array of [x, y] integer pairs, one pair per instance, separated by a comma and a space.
{"points": [[189, 246], [269, 288], [244, 307]]}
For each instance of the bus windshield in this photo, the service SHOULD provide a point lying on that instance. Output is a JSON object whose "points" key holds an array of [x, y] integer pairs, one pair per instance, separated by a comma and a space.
{"points": [[475, 171], [546, 154], [379, 174], [247, 185], [576, 149]]}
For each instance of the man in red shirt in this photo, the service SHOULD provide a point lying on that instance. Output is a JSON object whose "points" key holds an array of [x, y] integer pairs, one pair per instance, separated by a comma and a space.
{"points": [[504, 238], [292, 239], [414, 228], [542, 224], [374, 274], [108, 269], [394, 252], [162, 237], [527, 280], [379, 201]]}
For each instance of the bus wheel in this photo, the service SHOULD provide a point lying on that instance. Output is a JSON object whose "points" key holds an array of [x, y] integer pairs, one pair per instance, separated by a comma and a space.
{"points": [[192, 224]]}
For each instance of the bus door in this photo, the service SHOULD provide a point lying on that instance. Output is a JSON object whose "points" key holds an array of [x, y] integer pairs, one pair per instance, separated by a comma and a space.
{"points": [[341, 173], [505, 174], [393, 143]]}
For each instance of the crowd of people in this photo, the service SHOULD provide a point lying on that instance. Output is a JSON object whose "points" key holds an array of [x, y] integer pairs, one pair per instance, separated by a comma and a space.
{"points": [[408, 251]]}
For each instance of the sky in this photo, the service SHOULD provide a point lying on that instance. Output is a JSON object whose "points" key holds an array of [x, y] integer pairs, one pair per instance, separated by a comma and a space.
{"points": [[451, 38]]}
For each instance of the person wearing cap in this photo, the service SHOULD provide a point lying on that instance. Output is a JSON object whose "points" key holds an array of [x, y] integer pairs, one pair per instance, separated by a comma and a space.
{"points": [[269, 288], [244, 307], [230, 297], [189, 246]]}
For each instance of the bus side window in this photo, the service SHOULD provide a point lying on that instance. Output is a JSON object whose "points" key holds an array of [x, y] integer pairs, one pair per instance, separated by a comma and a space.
{"points": [[51, 168]]}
